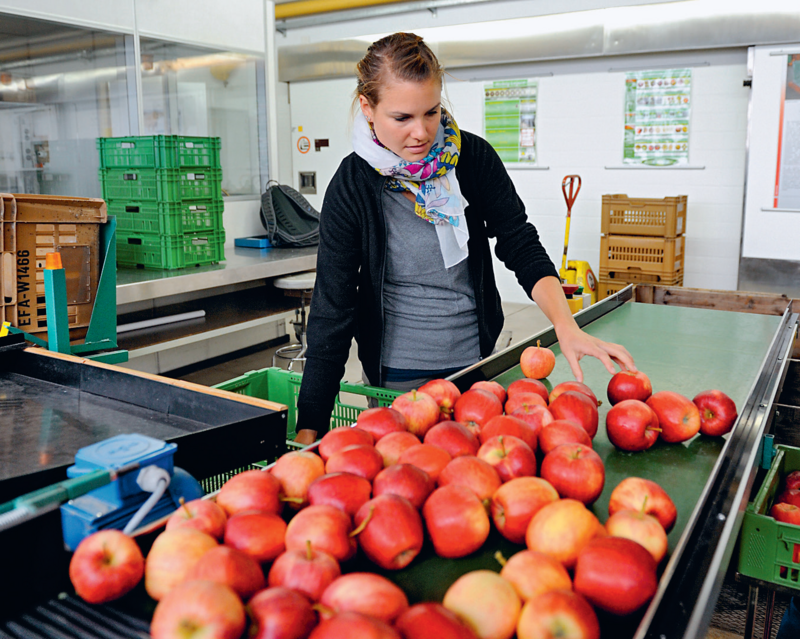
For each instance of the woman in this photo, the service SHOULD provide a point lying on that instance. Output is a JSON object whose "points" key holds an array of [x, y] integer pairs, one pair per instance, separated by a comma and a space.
{"points": [[404, 263]]}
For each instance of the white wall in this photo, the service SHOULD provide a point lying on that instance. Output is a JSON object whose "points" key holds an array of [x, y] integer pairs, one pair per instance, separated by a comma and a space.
{"points": [[580, 127]]}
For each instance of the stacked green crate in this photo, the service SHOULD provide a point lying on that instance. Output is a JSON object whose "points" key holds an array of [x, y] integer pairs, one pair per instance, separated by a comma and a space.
{"points": [[166, 192]]}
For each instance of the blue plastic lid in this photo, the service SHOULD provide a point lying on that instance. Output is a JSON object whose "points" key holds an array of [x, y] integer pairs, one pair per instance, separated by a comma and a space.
{"points": [[122, 449]]}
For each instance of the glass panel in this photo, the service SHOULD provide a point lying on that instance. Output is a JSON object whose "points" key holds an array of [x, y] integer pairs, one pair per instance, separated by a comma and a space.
{"points": [[194, 91], [61, 87]]}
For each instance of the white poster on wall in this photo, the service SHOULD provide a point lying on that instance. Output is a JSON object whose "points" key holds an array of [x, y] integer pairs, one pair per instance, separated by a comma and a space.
{"points": [[787, 175], [509, 119]]}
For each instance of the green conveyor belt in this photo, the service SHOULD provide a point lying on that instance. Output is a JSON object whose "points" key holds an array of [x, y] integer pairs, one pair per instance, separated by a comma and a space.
{"points": [[686, 350]]}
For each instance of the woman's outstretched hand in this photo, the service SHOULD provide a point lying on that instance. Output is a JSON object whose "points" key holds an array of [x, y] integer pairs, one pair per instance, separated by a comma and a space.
{"points": [[576, 344]]}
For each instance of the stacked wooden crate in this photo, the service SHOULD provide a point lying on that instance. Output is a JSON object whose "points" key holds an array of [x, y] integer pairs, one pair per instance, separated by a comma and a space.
{"points": [[642, 242], [166, 192]]}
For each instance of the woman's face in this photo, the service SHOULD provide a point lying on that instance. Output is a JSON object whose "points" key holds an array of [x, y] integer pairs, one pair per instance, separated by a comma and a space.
{"points": [[407, 117]]}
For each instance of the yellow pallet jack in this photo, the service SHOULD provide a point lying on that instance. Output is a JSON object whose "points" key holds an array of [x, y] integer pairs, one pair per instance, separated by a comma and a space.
{"points": [[575, 274]]}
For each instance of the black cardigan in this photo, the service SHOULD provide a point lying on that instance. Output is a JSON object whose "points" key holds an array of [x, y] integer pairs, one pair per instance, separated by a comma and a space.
{"points": [[348, 294]]}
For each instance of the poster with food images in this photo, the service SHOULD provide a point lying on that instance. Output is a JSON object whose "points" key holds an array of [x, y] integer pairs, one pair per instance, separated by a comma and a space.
{"points": [[657, 108], [787, 175], [509, 118]]}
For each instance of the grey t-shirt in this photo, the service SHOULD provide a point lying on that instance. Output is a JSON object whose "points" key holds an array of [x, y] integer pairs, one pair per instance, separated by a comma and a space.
{"points": [[430, 321]]}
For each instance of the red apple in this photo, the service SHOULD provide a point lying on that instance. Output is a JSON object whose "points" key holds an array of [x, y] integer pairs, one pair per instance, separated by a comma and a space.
{"points": [[106, 565], [508, 425], [632, 425], [537, 362], [454, 438], [380, 421], [429, 458], [339, 438], [341, 490], [202, 514], [204, 608], [405, 480], [576, 472], [493, 387], [367, 594], [524, 400], [456, 521], [474, 473], [535, 416], [306, 571], [352, 625], [280, 613], [421, 411], [516, 502], [327, 528], [678, 417], [643, 529], [477, 406], [616, 575], [562, 529], [389, 531], [444, 393], [793, 479], [629, 385], [786, 513], [578, 408], [486, 602], [250, 490], [172, 555], [364, 461], [296, 471], [644, 495], [260, 535], [510, 456], [534, 573], [562, 431], [391, 446], [235, 569], [717, 412], [558, 613], [791, 496], [578, 387], [432, 621], [527, 385]]}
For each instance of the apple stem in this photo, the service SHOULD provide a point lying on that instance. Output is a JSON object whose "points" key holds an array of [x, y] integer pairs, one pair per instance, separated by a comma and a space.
{"points": [[309, 554], [500, 559], [655, 430], [294, 500], [414, 394], [364, 523], [323, 609], [538, 343], [502, 445], [182, 502], [644, 504]]}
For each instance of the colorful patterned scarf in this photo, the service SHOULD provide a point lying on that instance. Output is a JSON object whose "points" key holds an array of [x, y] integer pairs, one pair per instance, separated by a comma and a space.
{"points": [[431, 180]]}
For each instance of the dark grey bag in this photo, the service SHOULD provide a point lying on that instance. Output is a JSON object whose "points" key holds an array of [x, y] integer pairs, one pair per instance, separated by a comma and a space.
{"points": [[289, 219]]}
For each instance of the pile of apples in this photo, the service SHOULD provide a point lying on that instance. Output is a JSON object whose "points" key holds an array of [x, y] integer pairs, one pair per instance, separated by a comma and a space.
{"points": [[786, 508], [275, 546]]}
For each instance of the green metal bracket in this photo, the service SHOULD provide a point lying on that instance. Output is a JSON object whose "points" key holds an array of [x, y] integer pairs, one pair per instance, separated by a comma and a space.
{"points": [[55, 295], [767, 451], [110, 357]]}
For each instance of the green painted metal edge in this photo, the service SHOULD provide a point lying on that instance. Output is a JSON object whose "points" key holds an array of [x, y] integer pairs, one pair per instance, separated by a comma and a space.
{"points": [[55, 296]]}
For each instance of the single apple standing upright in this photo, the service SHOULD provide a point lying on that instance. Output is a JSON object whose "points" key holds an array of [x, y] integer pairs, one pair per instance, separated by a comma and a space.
{"points": [[106, 565], [445, 393], [678, 417], [632, 425], [717, 412], [456, 521], [510, 456], [629, 385], [307, 571], [204, 608], [420, 410], [537, 362], [575, 471]]}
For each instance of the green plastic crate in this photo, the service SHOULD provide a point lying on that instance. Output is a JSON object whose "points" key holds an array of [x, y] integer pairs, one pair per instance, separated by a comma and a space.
{"points": [[768, 548], [168, 218], [282, 386], [161, 185], [157, 252], [158, 151]]}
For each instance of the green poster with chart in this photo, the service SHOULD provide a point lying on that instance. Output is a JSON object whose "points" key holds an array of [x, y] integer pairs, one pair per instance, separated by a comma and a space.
{"points": [[657, 108], [509, 117]]}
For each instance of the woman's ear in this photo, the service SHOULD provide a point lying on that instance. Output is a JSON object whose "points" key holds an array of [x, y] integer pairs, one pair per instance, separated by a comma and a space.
{"points": [[366, 109]]}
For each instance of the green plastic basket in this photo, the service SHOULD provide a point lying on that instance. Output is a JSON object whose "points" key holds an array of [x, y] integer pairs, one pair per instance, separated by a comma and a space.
{"points": [[158, 152], [168, 218], [282, 386], [161, 185], [158, 252], [769, 549]]}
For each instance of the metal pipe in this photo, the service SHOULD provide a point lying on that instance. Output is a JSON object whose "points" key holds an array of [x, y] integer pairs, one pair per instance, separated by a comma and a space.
{"points": [[309, 7], [160, 321]]}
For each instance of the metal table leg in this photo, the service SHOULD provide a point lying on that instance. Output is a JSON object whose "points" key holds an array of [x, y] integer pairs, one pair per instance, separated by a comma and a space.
{"points": [[769, 614], [752, 604]]}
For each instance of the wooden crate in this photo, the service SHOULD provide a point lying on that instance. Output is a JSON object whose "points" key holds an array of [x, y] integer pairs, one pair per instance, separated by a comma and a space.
{"points": [[606, 287], [658, 255], [623, 215], [636, 276]]}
